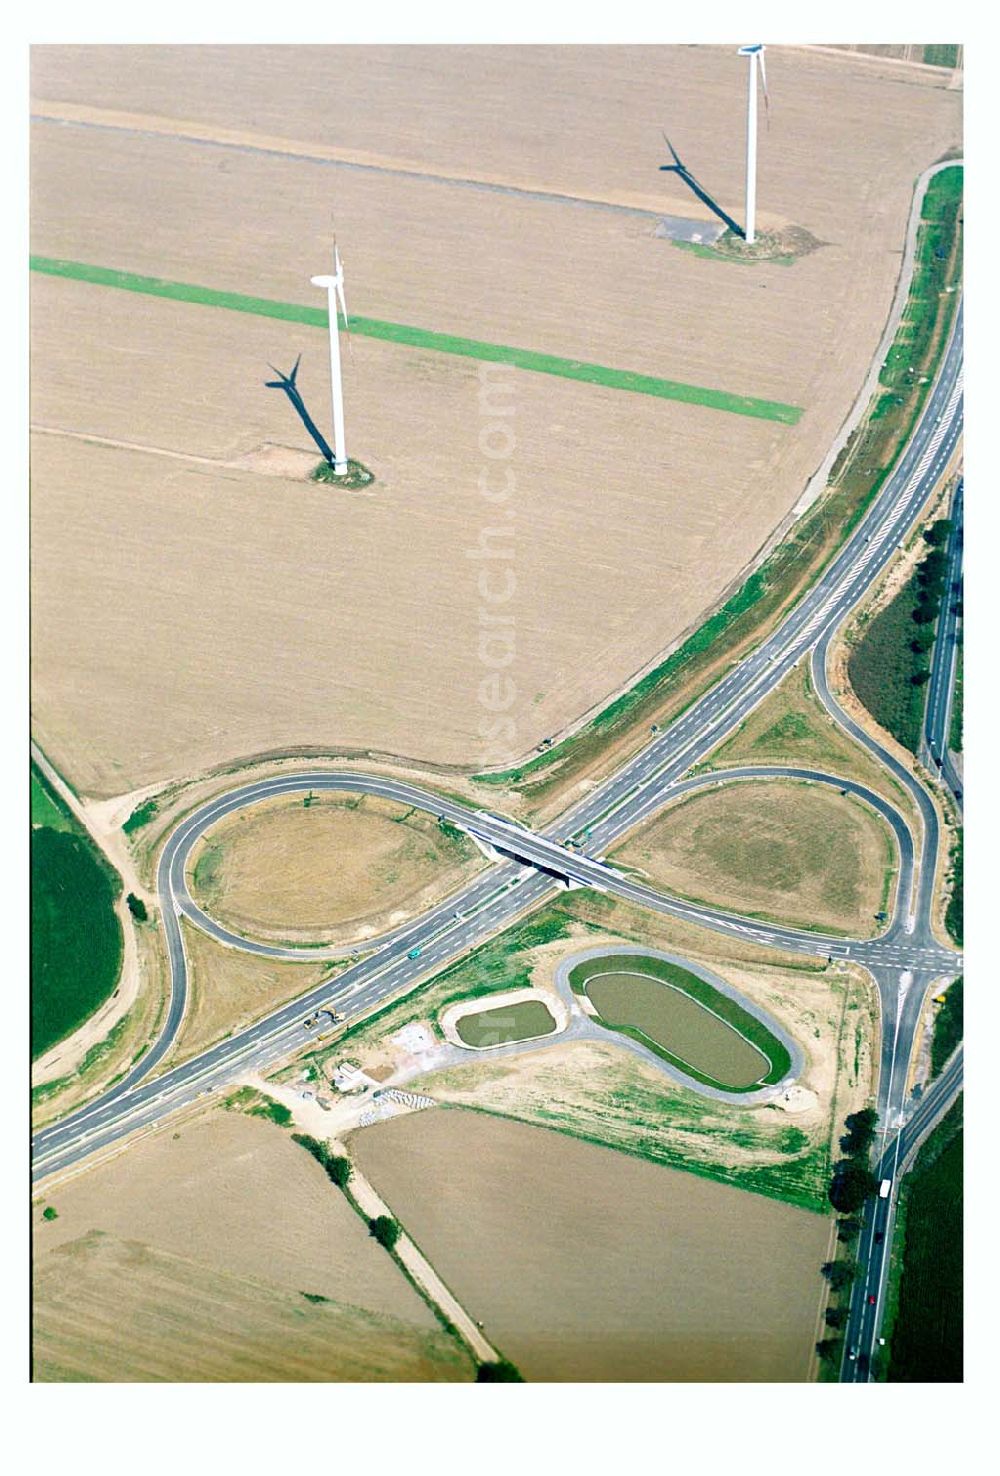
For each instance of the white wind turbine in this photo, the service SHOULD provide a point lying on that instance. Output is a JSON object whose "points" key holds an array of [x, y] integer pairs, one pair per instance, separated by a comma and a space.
{"points": [[335, 289], [755, 54]]}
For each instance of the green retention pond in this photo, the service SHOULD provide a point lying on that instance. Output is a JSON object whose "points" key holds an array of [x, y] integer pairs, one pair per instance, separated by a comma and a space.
{"points": [[525, 1020], [683, 1019]]}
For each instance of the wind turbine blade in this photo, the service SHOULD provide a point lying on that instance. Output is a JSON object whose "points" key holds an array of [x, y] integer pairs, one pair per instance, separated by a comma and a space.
{"points": [[295, 368], [673, 151], [347, 322], [763, 83]]}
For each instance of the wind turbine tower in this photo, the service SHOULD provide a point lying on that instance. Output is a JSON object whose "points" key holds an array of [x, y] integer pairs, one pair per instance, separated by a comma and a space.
{"points": [[335, 290], [755, 56]]}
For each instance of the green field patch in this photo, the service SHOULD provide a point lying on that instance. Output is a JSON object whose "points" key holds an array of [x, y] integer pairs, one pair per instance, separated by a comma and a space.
{"points": [[206, 876], [527, 1019], [46, 806], [890, 665], [948, 1027], [958, 698], [425, 338], [682, 1018], [76, 938], [941, 56], [140, 816], [926, 1340]]}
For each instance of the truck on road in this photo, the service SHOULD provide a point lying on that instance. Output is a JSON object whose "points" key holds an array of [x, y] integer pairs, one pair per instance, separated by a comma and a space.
{"points": [[883, 1188]]}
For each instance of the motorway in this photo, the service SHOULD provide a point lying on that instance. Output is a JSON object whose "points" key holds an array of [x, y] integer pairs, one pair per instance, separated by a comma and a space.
{"points": [[935, 750], [904, 960]]}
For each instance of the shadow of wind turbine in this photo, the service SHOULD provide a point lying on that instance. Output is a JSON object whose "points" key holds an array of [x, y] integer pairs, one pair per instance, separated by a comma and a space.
{"points": [[682, 171], [287, 382]]}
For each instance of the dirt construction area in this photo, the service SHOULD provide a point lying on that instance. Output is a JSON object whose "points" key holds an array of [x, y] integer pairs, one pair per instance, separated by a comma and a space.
{"points": [[189, 609], [171, 1264], [340, 868], [588, 1265]]}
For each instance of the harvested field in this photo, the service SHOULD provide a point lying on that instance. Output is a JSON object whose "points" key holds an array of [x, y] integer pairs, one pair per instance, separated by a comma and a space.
{"points": [[171, 1263], [800, 853], [588, 1265], [342, 868], [230, 989], [116, 1311], [376, 579], [284, 577]]}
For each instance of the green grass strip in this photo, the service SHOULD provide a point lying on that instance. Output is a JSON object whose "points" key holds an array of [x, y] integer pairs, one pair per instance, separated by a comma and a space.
{"points": [[425, 338]]}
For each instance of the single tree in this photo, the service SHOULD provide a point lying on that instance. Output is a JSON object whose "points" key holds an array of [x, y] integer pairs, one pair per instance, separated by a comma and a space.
{"points": [[137, 907], [848, 1230], [932, 566], [385, 1230], [839, 1274], [828, 1349], [501, 1372], [860, 1134], [853, 1182], [338, 1169], [938, 532], [836, 1316], [920, 677]]}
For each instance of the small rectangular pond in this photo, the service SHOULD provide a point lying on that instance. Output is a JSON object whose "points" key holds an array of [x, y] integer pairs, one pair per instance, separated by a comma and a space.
{"points": [[524, 1020]]}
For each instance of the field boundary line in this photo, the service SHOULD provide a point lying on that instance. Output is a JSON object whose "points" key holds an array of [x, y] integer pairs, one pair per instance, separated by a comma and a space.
{"points": [[532, 360], [152, 125], [116, 445]]}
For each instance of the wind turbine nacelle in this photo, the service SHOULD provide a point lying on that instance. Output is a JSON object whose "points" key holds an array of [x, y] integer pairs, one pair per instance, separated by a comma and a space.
{"points": [[327, 282], [750, 50]]}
